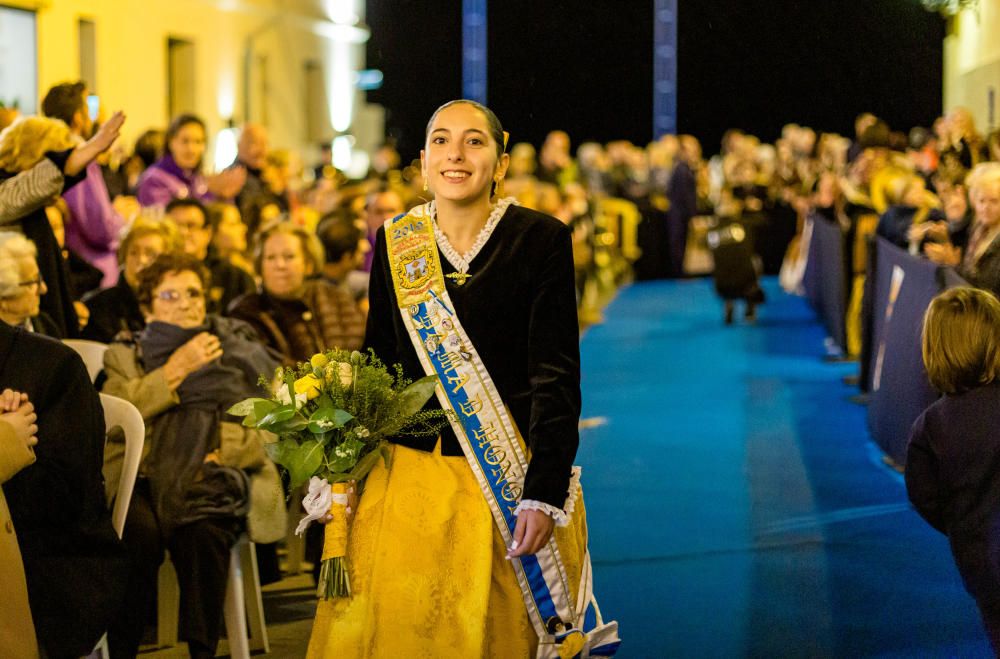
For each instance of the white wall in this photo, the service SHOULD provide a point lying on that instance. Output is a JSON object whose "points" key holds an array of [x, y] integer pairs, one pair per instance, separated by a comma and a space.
{"points": [[972, 62]]}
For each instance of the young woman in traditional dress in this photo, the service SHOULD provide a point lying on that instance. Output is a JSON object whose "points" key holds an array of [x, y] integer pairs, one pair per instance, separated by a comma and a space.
{"points": [[446, 542]]}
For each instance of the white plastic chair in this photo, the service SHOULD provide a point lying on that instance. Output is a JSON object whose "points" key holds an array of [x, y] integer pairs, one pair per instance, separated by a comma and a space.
{"points": [[243, 601], [123, 414], [92, 353], [120, 412]]}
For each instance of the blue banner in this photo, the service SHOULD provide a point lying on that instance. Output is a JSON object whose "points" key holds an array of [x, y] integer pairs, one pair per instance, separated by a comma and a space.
{"points": [[474, 55], [825, 278], [664, 68], [900, 392]]}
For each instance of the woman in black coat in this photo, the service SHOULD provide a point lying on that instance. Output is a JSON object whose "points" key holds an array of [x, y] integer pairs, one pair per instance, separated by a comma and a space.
{"points": [[73, 559]]}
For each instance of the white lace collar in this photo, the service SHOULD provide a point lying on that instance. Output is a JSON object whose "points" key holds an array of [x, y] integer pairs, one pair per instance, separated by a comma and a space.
{"points": [[461, 261]]}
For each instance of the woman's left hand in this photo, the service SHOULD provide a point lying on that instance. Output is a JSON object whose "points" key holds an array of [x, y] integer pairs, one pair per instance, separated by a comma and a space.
{"points": [[533, 530]]}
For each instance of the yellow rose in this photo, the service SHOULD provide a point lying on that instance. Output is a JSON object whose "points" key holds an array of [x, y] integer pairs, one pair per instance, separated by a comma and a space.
{"points": [[318, 360], [308, 385]]}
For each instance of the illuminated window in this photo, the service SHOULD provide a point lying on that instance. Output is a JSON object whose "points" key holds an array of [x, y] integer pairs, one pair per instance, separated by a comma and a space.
{"points": [[18, 60]]}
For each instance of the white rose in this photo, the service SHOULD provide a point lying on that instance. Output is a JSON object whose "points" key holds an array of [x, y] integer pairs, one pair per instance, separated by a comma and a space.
{"points": [[344, 372], [282, 395]]}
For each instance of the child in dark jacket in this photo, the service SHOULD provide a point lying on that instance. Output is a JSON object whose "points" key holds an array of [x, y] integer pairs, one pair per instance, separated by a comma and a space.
{"points": [[953, 460]]}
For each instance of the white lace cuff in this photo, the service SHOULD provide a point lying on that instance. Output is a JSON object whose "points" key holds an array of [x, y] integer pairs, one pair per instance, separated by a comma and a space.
{"points": [[560, 517]]}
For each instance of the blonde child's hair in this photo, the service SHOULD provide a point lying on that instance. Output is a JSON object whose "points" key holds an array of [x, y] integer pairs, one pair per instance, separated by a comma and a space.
{"points": [[961, 340], [24, 143]]}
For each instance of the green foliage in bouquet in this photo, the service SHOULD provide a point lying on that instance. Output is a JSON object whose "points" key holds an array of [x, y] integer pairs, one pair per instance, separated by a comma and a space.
{"points": [[333, 414]]}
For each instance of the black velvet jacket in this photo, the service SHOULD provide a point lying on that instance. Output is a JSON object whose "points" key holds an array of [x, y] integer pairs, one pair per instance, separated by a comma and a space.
{"points": [[519, 310]]}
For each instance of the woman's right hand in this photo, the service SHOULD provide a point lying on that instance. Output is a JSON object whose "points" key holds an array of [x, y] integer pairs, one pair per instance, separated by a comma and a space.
{"points": [[196, 353], [20, 414], [10, 400], [99, 143], [108, 132]]}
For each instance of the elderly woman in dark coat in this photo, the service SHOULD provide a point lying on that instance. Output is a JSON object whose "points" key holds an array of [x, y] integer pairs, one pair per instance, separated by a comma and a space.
{"points": [[979, 260], [183, 371], [296, 313]]}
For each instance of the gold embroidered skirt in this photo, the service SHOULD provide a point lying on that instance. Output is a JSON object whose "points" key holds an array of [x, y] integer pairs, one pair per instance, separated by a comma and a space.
{"points": [[427, 569]]}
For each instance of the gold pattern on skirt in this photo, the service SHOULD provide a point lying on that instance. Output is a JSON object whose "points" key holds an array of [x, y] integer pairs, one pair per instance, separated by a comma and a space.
{"points": [[428, 573]]}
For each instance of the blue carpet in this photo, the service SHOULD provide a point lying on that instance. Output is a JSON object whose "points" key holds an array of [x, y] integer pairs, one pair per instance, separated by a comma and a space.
{"points": [[736, 504]]}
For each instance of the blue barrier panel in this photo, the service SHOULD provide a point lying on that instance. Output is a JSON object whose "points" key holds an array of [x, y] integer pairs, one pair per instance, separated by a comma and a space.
{"points": [[951, 279], [868, 316], [825, 279], [811, 274], [904, 287]]}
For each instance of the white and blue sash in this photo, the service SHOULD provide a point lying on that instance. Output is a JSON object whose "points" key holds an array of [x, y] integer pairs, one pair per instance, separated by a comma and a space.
{"points": [[566, 626]]}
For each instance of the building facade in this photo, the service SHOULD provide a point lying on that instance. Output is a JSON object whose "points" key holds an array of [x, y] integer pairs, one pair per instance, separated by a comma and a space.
{"points": [[291, 65]]}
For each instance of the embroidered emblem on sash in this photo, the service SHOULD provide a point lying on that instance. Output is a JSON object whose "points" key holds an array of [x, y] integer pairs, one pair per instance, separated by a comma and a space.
{"points": [[413, 259], [416, 270]]}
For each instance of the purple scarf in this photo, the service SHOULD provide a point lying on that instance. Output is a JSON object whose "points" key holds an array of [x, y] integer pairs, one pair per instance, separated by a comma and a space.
{"points": [[165, 180]]}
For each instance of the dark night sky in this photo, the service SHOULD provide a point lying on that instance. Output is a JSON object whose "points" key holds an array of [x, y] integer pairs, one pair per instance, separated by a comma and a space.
{"points": [[586, 65]]}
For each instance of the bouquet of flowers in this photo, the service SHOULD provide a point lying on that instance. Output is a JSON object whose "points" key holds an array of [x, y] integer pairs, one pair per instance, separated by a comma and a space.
{"points": [[332, 416]]}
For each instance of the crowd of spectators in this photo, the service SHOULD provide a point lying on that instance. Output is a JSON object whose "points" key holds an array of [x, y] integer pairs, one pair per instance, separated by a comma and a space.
{"points": [[197, 280]]}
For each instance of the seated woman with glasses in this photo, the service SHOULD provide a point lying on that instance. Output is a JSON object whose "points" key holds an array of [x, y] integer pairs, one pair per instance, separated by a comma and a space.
{"points": [[22, 286], [183, 371]]}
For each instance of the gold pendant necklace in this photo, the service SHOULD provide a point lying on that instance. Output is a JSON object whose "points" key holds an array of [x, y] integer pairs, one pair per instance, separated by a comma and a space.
{"points": [[458, 277]]}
